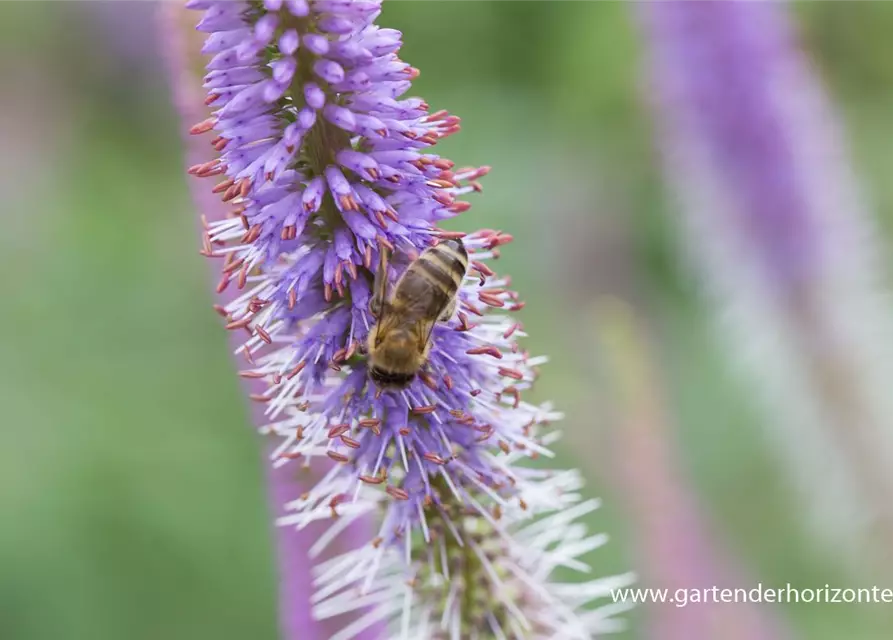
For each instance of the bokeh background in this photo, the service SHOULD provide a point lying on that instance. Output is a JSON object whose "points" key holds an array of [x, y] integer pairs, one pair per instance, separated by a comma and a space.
{"points": [[131, 503]]}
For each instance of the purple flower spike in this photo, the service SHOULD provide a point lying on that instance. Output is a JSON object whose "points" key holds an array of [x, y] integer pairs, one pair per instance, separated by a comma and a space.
{"points": [[326, 165]]}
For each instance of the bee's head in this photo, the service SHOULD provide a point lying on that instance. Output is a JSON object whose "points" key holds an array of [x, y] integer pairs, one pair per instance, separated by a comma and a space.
{"points": [[385, 379], [394, 357]]}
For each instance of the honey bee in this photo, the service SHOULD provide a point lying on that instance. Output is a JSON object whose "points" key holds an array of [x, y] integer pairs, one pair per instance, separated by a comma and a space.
{"points": [[425, 294]]}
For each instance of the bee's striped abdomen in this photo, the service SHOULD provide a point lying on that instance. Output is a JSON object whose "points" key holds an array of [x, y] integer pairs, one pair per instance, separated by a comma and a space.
{"points": [[438, 271], [444, 265]]}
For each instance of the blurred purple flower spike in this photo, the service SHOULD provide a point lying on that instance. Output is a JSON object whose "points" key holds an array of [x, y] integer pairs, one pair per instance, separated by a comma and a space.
{"points": [[325, 165], [291, 545], [774, 220], [678, 547]]}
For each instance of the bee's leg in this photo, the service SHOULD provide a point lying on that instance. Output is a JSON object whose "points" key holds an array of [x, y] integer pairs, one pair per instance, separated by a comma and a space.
{"points": [[448, 311], [380, 286], [374, 308]]}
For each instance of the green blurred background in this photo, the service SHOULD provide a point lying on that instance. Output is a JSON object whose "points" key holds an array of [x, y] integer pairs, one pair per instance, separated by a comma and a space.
{"points": [[131, 503]]}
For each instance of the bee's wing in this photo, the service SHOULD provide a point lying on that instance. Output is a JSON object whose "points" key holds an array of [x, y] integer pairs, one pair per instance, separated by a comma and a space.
{"points": [[424, 330], [380, 287], [387, 322]]}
